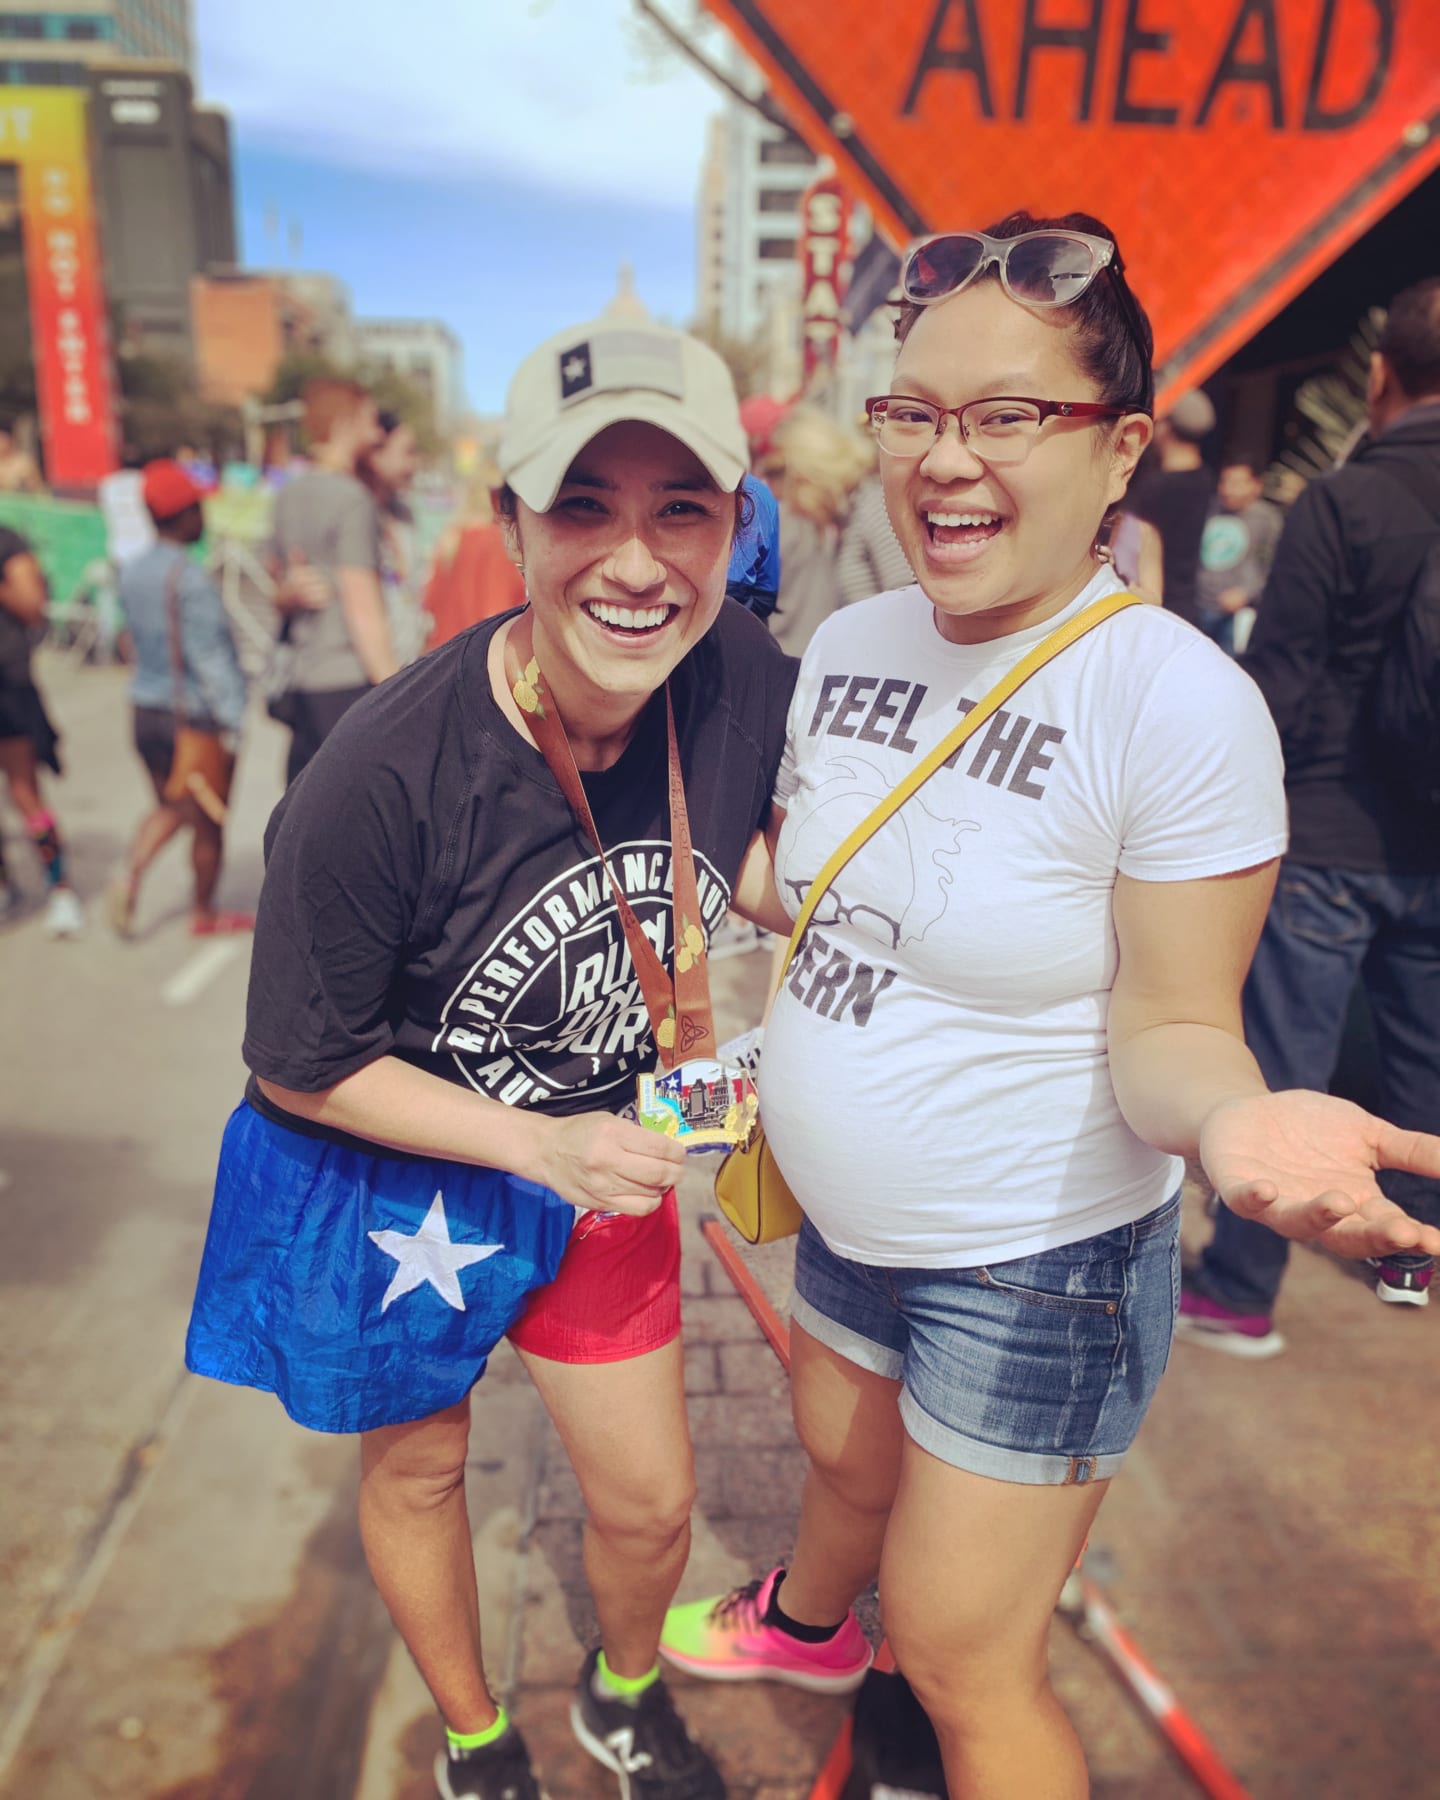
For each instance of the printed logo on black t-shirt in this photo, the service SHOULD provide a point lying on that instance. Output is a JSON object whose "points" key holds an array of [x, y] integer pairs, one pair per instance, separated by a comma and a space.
{"points": [[553, 1008]]}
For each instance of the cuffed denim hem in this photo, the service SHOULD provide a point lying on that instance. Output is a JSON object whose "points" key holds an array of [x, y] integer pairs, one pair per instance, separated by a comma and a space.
{"points": [[1025, 1467], [864, 1352], [1035, 1370]]}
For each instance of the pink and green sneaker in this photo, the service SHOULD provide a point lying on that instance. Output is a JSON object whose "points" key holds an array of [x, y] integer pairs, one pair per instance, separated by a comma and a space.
{"points": [[729, 1640]]}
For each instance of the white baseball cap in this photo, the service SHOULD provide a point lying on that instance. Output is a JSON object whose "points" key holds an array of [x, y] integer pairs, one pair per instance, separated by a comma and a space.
{"points": [[591, 376]]}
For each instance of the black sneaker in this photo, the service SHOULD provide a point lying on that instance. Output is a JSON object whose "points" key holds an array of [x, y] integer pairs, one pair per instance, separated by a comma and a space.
{"points": [[501, 1771], [644, 1743]]}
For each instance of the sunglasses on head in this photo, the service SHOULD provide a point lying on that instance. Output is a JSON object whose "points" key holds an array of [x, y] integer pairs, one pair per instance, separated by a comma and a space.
{"points": [[1038, 268]]}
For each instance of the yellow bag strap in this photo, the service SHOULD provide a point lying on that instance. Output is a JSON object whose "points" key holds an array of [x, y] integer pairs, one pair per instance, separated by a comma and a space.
{"points": [[1058, 640]]}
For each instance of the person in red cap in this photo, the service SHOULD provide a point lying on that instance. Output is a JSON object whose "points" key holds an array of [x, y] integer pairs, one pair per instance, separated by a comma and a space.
{"points": [[760, 415], [187, 675]]}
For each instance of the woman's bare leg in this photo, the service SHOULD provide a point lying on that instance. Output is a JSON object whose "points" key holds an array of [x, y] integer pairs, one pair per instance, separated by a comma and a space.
{"points": [[152, 834], [969, 1580], [207, 848], [623, 1425], [849, 1422], [155, 831], [20, 768], [416, 1532]]}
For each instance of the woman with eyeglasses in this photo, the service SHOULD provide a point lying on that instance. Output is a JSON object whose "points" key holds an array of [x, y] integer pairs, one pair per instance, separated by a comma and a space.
{"points": [[1015, 1011]]}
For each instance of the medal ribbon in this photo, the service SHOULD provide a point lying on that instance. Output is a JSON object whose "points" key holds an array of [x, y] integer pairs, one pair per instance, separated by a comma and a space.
{"points": [[679, 1009]]}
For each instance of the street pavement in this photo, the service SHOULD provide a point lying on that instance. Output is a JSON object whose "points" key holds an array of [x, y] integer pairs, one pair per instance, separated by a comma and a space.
{"points": [[186, 1611]]}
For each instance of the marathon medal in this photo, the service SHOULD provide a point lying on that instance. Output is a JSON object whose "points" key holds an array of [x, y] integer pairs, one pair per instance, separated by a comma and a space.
{"points": [[696, 1098]]}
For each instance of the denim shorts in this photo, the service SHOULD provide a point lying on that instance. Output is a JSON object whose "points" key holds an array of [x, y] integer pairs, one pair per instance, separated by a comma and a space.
{"points": [[1038, 1370]]}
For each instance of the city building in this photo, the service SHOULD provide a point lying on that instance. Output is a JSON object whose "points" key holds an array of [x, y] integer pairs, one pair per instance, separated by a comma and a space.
{"points": [[426, 352], [239, 324], [56, 43], [247, 321], [161, 163], [710, 231], [318, 315], [749, 219], [165, 199], [748, 273]]}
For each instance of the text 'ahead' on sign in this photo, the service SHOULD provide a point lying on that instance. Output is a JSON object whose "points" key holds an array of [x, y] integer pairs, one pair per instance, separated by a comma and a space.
{"points": [[1235, 147]]}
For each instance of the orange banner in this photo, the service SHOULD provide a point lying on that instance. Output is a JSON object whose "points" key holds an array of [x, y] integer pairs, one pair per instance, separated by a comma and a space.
{"points": [[43, 132], [1235, 147]]}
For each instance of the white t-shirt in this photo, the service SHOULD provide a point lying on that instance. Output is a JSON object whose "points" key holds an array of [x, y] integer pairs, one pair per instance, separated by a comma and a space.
{"points": [[935, 1084], [129, 529]]}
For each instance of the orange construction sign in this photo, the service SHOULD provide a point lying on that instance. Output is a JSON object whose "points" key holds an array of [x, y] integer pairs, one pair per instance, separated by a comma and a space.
{"points": [[1235, 147]]}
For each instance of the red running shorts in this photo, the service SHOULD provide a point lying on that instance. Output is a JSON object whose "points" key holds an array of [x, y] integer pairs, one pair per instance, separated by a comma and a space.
{"points": [[617, 1294]]}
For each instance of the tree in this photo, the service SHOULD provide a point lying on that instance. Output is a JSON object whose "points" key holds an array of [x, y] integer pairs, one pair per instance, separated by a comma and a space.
{"points": [[297, 367], [392, 391], [160, 410], [396, 393]]}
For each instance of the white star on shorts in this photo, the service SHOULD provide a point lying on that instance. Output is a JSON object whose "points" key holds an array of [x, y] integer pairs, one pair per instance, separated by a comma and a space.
{"points": [[429, 1256], [575, 368]]}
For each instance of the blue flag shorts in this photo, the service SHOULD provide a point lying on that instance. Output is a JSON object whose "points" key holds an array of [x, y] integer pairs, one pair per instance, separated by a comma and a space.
{"points": [[362, 1290]]}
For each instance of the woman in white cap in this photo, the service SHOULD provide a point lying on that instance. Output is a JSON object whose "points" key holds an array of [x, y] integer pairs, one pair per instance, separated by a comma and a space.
{"points": [[445, 1023]]}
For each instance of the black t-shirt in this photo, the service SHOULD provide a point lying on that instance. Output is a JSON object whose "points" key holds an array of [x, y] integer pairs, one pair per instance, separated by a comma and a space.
{"points": [[15, 636], [1177, 503], [429, 894]]}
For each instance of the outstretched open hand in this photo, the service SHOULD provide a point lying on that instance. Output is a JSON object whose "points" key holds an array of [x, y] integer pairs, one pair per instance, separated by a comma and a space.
{"points": [[1304, 1164]]}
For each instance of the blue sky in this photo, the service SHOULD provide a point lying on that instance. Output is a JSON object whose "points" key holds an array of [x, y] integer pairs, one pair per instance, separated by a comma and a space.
{"points": [[490, 164]]}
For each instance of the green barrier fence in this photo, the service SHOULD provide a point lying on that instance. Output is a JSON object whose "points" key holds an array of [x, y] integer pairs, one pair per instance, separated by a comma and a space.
{"points": [[69, 539], [66, 535]]}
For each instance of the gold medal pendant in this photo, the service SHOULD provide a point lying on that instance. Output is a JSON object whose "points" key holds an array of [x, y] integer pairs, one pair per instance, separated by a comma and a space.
{"points": [[703, 1104]]}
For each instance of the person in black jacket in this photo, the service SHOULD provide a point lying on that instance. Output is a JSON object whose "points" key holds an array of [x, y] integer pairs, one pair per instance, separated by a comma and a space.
{"points": [[1359, 891], [27, 738]]}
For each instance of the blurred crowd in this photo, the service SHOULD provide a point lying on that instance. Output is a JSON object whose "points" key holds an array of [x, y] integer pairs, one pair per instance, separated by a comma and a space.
{"points": [[356, 592]]}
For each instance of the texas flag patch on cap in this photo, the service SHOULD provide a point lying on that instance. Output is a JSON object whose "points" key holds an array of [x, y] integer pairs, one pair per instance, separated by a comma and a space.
{"points": [[575, 375], [622, 360]]}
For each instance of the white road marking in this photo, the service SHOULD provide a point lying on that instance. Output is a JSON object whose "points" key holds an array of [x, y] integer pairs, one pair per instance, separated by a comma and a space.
{"points": [[193, 977]]}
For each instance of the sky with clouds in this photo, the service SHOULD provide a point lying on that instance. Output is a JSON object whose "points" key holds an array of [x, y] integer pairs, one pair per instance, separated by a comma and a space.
{"points": [[485, 162]]}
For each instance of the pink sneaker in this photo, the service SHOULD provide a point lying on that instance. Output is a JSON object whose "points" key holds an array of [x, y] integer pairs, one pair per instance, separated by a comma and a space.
{"points": [[728, 1640]]}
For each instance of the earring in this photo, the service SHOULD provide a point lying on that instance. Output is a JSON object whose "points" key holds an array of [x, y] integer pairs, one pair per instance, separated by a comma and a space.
{"points": [[1103, 552]]}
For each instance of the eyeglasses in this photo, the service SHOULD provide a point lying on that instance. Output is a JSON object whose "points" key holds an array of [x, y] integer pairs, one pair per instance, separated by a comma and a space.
{"points": [[1001, 429], [1037, 268]]}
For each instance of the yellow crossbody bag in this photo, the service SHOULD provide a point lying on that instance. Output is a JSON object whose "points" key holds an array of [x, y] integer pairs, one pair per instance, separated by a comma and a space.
{"points": [[750, 1189]]}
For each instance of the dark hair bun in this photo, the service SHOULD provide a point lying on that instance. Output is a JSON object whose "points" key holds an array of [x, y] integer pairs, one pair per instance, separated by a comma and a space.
{"points": [[1115, 345]]}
